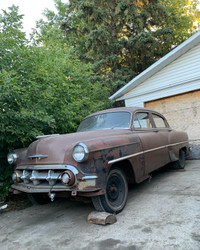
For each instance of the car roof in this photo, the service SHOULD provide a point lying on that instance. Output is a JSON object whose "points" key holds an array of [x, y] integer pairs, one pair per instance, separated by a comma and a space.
{"points": [[126, 109]]}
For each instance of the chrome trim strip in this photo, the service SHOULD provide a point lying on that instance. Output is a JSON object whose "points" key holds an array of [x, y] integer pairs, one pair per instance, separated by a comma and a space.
{"points": [[44, 136], [144, 152], [72, 168], [91, 177], [45, 189], [47, 167]]}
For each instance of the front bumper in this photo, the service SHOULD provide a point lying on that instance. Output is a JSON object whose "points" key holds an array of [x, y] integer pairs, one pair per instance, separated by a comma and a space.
{"points": [[47, 178]]}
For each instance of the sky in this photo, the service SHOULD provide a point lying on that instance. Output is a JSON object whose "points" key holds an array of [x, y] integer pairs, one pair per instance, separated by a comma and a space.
{"points": [[32, 10]]}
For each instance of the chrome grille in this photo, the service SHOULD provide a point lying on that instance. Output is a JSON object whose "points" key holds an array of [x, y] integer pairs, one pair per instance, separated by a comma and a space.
{"points": [[36, 177]]}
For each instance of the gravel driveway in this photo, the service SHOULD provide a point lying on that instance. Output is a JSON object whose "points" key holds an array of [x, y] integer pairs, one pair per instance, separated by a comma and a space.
{"points": [[161, 214]]}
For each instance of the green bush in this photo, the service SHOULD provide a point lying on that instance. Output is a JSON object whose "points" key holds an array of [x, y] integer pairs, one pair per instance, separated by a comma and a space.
{"points": [[5, 175], [44, 87], [5, 181]]}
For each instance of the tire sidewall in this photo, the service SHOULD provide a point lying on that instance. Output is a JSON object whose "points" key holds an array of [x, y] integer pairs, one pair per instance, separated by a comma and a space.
{"points": [[182, 158], [104, 198]]}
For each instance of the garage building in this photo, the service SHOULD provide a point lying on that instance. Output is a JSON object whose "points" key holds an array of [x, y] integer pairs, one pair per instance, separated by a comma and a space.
{"points": [[172, 87]]}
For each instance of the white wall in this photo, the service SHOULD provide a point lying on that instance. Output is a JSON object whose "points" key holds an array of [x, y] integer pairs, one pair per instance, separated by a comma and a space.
{"points": [[180, 76]]}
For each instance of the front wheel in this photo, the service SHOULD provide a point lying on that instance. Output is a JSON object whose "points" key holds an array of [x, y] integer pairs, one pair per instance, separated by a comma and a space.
{"points": [[114, 200]]}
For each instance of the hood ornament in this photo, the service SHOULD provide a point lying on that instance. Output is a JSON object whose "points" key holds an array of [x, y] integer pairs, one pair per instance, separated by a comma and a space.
{"points": [[39, 157]]}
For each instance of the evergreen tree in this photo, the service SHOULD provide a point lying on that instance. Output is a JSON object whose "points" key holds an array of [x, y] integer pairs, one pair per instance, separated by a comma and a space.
{"points": [[122, 37]]}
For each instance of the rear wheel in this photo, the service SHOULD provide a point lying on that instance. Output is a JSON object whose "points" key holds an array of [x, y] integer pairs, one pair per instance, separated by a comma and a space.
{"points": [[116, 194], [180, 164], [40, 199]]}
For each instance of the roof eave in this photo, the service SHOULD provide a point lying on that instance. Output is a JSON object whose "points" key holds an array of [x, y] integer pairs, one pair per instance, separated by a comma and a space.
{"points": [[157, 66]]}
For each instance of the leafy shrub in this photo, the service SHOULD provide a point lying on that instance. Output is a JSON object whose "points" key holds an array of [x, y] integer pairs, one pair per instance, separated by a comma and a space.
{"points": [[5, 176], [44, 87]]}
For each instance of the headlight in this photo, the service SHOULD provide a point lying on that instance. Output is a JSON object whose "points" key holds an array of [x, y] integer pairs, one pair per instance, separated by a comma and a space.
{"points": [[80, 152], [12, 158]]}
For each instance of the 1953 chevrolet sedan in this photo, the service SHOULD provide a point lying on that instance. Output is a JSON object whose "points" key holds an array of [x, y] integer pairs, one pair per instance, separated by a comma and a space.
{"points": [[111, 149]]}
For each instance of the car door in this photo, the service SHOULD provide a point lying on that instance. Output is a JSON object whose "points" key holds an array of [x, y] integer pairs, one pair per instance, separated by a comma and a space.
{"points": [[153, 139], [164, 131]]}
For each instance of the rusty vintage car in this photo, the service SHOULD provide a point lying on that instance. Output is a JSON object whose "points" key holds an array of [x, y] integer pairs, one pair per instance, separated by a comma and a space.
{"points": [[110, 149]]}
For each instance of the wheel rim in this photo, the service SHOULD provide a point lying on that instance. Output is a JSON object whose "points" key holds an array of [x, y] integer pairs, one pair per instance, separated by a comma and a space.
{"points": [[116, 192]]}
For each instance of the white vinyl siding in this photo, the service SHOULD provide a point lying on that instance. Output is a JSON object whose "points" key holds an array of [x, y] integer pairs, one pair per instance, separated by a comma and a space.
{"points": [[171, 91], [134, 102], [181, 76]]}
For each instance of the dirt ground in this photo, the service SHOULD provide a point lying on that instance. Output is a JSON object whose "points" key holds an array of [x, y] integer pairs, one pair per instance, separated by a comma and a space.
{"points": [[161, 214]]}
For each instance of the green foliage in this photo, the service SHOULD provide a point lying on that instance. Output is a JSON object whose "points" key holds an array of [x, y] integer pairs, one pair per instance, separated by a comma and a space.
{"points": [[183, 17], [6, 180], [44, 87], [121, 37]]}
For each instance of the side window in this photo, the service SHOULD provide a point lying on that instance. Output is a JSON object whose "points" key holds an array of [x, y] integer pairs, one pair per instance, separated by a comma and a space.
{"points": [[159, 121], [141, 120]]}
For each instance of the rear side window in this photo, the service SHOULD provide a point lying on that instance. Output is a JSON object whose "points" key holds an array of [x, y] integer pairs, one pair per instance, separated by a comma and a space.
{"points": [[159, 121], [141, 120]]}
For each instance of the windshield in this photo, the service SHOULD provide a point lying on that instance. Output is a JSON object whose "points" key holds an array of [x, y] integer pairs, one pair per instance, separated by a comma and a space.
{"points": [[111, 120]]}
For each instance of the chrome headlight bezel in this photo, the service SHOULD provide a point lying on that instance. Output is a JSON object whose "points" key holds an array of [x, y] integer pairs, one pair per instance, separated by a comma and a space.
{"points": [[80, 152], [12, 158]]}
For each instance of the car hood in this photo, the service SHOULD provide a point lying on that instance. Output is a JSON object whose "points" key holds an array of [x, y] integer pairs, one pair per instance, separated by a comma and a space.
{"points": [[58, 149]]}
